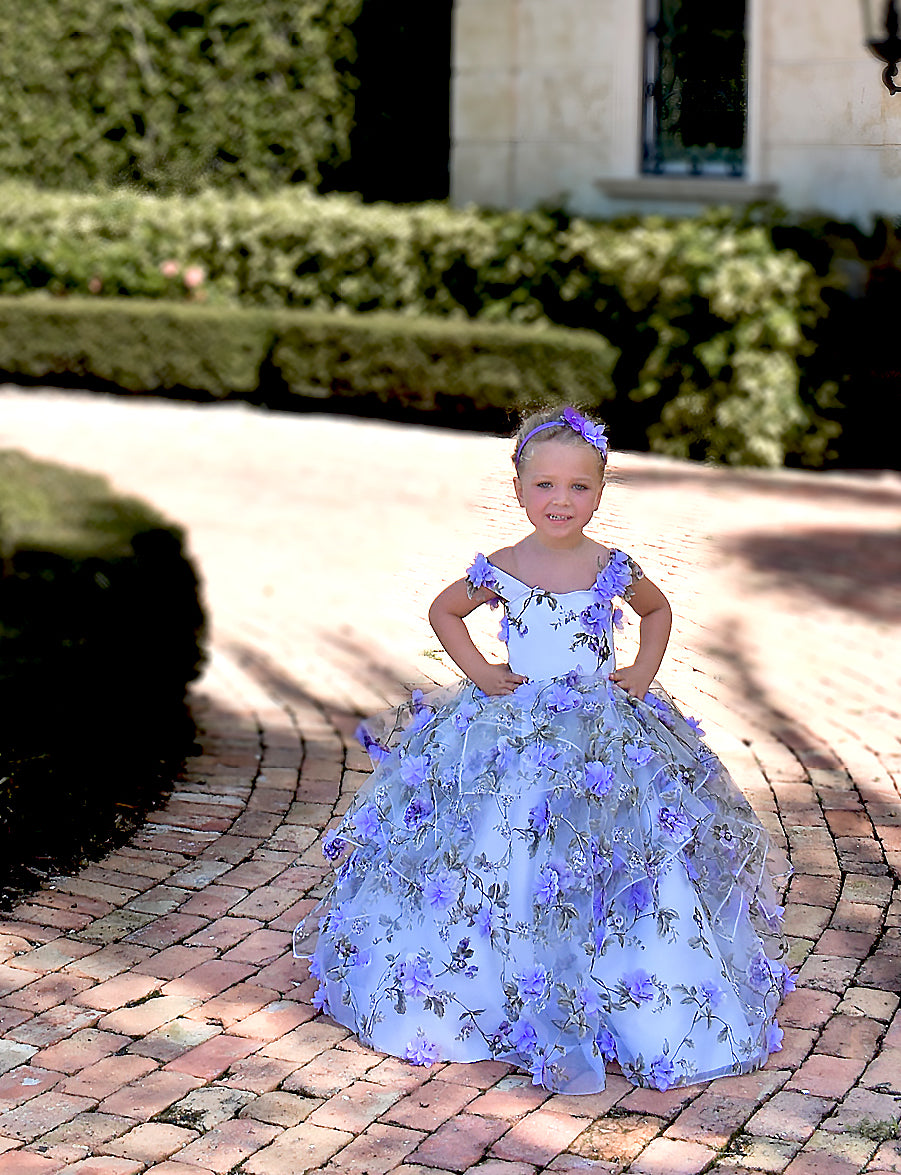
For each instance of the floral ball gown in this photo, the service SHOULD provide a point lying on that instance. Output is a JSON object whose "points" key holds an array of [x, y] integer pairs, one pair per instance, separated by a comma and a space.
{"points": [[558, 878]]}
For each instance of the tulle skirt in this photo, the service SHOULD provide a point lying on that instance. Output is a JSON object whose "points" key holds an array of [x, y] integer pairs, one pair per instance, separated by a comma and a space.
{"points": [[558, 878]]}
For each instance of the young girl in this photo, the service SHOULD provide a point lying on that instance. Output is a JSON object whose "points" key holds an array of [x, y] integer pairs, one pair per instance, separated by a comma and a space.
{"points": [[548, 867]]}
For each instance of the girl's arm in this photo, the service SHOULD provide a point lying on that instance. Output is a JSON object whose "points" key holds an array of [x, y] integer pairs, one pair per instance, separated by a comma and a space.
{"points": [[446, 618], [656, 620]]}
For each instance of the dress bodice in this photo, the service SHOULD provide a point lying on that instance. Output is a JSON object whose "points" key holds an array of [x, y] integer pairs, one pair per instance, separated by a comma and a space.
{"points": [[551, 634]]}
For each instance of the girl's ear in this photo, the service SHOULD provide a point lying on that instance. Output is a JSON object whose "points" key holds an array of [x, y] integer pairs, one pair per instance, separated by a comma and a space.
{"points": [[517, 486]]}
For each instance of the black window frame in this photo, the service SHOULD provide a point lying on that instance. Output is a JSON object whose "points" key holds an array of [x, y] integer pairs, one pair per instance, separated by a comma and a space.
{"points": [[661, 153]]}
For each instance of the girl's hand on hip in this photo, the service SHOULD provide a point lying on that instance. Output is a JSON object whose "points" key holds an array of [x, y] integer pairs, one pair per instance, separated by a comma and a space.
{"points": [[497, 680], [633, 680]]}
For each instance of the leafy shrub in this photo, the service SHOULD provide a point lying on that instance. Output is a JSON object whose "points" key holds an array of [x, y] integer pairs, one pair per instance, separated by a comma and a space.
{"points": [[714, 324], [137, 346], [712, 321], [174, 96], [100, 630], [852, 369]]}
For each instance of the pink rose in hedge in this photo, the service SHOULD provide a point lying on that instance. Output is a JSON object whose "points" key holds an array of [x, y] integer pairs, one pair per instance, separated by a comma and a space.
{"points": [[169, 268], [194, 276]]}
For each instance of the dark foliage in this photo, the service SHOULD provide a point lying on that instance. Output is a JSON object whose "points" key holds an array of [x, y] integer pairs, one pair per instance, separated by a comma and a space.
{"points": [[100, 632]]}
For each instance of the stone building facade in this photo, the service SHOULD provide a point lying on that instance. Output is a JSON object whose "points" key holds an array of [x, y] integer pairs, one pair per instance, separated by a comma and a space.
{"points": [[550, 107]]}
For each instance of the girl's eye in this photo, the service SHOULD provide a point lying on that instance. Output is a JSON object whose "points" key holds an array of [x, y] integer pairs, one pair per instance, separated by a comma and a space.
{"points": [[543, 485], [579, 486]]}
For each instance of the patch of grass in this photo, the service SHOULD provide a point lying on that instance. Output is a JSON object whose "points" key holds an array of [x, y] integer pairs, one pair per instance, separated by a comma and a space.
{"points": [[152, 995], [879, 1130], [183, 1116], [49, 507]]}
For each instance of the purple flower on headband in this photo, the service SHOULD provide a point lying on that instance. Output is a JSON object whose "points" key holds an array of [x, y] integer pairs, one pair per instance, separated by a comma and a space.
{"points": [[593, 433]]}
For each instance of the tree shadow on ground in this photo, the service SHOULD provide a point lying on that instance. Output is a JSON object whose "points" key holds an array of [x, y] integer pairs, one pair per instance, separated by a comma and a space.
{"points": [[775, 483], [282, 688], [218, 733], [757, 704], [852, 569], [357, 661], [387, 679]]}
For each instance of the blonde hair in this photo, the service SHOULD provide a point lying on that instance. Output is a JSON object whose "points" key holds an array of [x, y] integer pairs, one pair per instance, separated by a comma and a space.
{"points": [[552, 427]]}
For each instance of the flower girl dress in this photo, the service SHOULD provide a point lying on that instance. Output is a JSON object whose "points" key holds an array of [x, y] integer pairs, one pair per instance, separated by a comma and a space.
{"points": [[559, 878]]}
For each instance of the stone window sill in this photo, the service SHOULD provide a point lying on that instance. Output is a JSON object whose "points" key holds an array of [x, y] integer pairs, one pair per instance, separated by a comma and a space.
{"points": [[698, 189]]}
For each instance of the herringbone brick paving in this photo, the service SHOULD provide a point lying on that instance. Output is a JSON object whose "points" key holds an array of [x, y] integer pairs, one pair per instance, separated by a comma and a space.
{"points": [[152, 1017]]}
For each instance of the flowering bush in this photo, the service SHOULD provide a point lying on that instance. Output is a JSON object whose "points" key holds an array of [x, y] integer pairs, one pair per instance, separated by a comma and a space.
{"points": [[715, 325]]}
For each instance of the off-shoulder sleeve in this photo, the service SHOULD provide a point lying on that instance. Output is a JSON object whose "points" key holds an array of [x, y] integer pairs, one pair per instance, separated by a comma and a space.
{"points": [[481, 574], [617, 577], [635, 575]]}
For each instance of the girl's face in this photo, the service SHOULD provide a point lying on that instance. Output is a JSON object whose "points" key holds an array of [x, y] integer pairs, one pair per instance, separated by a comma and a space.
{"points": [[559, 486]]}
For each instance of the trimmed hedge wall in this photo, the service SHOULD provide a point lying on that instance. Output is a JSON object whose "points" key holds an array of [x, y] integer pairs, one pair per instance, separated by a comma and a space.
{"points": [[100, 632], [269, 357], [714, 325]]}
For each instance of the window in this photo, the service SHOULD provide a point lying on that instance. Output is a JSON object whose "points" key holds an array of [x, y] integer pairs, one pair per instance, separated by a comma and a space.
{"points": [[695, 104]]}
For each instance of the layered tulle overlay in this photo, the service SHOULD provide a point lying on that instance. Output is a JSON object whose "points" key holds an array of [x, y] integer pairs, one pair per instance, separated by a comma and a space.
{"points": [[558, 878]]}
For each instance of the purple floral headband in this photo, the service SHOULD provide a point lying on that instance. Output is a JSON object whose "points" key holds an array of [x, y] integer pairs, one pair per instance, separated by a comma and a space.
{"points": [[594, 434]]}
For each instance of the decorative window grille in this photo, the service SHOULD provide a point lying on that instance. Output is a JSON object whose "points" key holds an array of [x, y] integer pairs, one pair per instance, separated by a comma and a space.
{"points": [[695, 106]]}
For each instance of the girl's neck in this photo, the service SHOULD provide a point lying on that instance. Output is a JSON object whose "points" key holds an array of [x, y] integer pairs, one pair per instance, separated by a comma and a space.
{"points": [[566, 547], [557, 569]]}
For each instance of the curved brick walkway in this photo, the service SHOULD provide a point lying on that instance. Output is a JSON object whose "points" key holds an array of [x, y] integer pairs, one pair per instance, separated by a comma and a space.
{"points": [[152, 1018]]}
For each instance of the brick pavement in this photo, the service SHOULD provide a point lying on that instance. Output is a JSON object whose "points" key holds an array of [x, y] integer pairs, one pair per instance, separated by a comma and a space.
{"points": [[152, 1018]]}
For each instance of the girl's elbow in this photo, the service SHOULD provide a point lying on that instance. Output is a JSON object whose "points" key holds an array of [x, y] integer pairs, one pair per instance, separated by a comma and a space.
{"points": [[438, 615]]}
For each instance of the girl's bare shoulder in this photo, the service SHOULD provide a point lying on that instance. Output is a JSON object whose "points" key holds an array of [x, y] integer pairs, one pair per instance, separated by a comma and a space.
{"points": [[598, 551], [505, 559]]}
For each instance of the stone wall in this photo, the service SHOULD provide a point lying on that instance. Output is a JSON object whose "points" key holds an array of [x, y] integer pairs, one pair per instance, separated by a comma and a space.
{"points": [[547, 109]]}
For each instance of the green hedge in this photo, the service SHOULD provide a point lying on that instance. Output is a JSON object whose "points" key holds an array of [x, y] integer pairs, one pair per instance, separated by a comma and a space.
{"points": [[271, 356], [174, 96], [100, 632], [713, 322]]}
